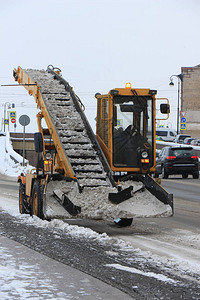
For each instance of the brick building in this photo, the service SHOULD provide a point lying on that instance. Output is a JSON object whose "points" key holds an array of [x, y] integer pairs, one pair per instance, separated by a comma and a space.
{"points": [[190, 99]]}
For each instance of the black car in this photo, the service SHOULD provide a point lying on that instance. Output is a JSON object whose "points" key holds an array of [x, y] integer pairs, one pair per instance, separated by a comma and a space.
{"points": [[177, 160]]}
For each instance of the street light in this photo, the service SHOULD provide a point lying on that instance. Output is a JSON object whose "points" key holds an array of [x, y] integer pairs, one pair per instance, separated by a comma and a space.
{"points": [[180, 78], [9, 106]]}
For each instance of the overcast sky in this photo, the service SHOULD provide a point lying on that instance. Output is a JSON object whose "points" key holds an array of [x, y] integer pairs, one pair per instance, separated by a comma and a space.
{"points": [[100, 44]]}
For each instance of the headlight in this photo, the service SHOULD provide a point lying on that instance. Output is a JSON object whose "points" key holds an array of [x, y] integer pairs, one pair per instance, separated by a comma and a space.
{"points": [[48, 156], [144, 154]]}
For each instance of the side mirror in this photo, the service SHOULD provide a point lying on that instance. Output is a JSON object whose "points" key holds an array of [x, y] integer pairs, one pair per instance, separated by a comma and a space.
{"points": [[38, 141], [164, 108]]}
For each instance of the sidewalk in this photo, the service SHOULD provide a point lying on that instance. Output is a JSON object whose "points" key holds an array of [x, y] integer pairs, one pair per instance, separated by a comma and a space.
{"points": [[27, 274]]}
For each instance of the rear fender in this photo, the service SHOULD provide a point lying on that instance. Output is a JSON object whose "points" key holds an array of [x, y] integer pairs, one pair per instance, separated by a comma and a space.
{"points": [[30, 178]]}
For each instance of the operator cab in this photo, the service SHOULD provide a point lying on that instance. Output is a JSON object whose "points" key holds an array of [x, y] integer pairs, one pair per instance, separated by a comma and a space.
{"points": [[132, 130], [125, 129]]}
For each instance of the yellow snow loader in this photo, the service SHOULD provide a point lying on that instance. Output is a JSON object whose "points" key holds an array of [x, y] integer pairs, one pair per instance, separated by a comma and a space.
{"points": [[80, 174]]}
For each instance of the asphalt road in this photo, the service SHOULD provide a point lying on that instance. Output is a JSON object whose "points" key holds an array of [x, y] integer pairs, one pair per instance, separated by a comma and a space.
{"points": [[185, 189], [109, 263]]}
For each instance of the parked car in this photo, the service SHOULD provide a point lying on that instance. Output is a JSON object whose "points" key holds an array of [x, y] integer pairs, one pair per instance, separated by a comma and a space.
{"points": [[195, 142], [165, 134], [180, 138], [188, 140], [177, 160]]}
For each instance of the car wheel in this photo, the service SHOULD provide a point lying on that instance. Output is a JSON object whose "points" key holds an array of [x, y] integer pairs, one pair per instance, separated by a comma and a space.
{"points": [[185, 176], [164, 173], [196, 175]]}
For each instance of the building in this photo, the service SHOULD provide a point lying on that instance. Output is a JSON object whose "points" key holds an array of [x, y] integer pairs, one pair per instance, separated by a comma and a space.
{"points": [[190, 99]]}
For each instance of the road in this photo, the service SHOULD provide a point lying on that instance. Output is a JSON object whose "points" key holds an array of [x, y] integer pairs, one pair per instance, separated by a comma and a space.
{"points": [[161, 263], [184, 189]]}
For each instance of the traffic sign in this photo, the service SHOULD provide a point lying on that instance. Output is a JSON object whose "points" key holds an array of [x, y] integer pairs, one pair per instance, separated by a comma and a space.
{"points": [[183, 120], [24, 120], [183, 113], [13, 120], [6, 121], [183, 126], [12, 114]]}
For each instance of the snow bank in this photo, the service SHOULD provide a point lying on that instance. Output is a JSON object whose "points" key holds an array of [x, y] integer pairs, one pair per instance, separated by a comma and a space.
{"points": [[11, 161]]}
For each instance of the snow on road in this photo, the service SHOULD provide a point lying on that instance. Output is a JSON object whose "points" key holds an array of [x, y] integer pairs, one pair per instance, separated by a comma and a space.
{"points": [[136, 271]]}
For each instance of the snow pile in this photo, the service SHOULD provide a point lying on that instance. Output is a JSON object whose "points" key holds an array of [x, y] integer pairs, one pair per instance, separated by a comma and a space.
{"points": [[94, 203], [11, 161]]}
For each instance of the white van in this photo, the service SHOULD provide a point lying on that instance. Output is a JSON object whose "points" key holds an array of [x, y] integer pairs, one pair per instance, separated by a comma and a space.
{"points": [[165, 134]]}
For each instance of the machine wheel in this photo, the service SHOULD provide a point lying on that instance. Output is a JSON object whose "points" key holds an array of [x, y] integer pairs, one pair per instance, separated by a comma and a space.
{"points": [[164, 173], [22, 198], [185, 176], [196, 175], [36, 200]]}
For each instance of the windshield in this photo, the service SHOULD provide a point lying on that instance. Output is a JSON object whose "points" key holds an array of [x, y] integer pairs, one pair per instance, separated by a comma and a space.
{"points": [[132, 129], [182, 151]]}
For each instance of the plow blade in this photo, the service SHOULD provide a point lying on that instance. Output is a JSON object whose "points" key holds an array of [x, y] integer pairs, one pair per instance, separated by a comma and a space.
{"points": [[156, 189], [121, 196], [67, 204]]}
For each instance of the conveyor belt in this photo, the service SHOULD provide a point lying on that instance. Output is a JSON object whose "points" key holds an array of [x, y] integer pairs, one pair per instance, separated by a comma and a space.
{"points": [[73, 130]]}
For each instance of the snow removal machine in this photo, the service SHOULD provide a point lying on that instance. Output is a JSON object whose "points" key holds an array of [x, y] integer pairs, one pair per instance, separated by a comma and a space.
{"points": [[79, 174]]}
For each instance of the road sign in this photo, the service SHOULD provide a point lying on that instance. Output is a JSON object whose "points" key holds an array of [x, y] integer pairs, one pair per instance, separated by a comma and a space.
{"points": [[183, 113], [183, 120], [6, 121], [161, 126], [119, 122], [24, 120], [13, 120], [183, 126], [12, 114]]}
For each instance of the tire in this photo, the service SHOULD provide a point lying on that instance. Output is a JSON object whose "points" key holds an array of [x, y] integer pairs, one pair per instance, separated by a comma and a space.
{"points": [[22, 206], [196, 175], [37, 201], [164, 173], [185, 176]]}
